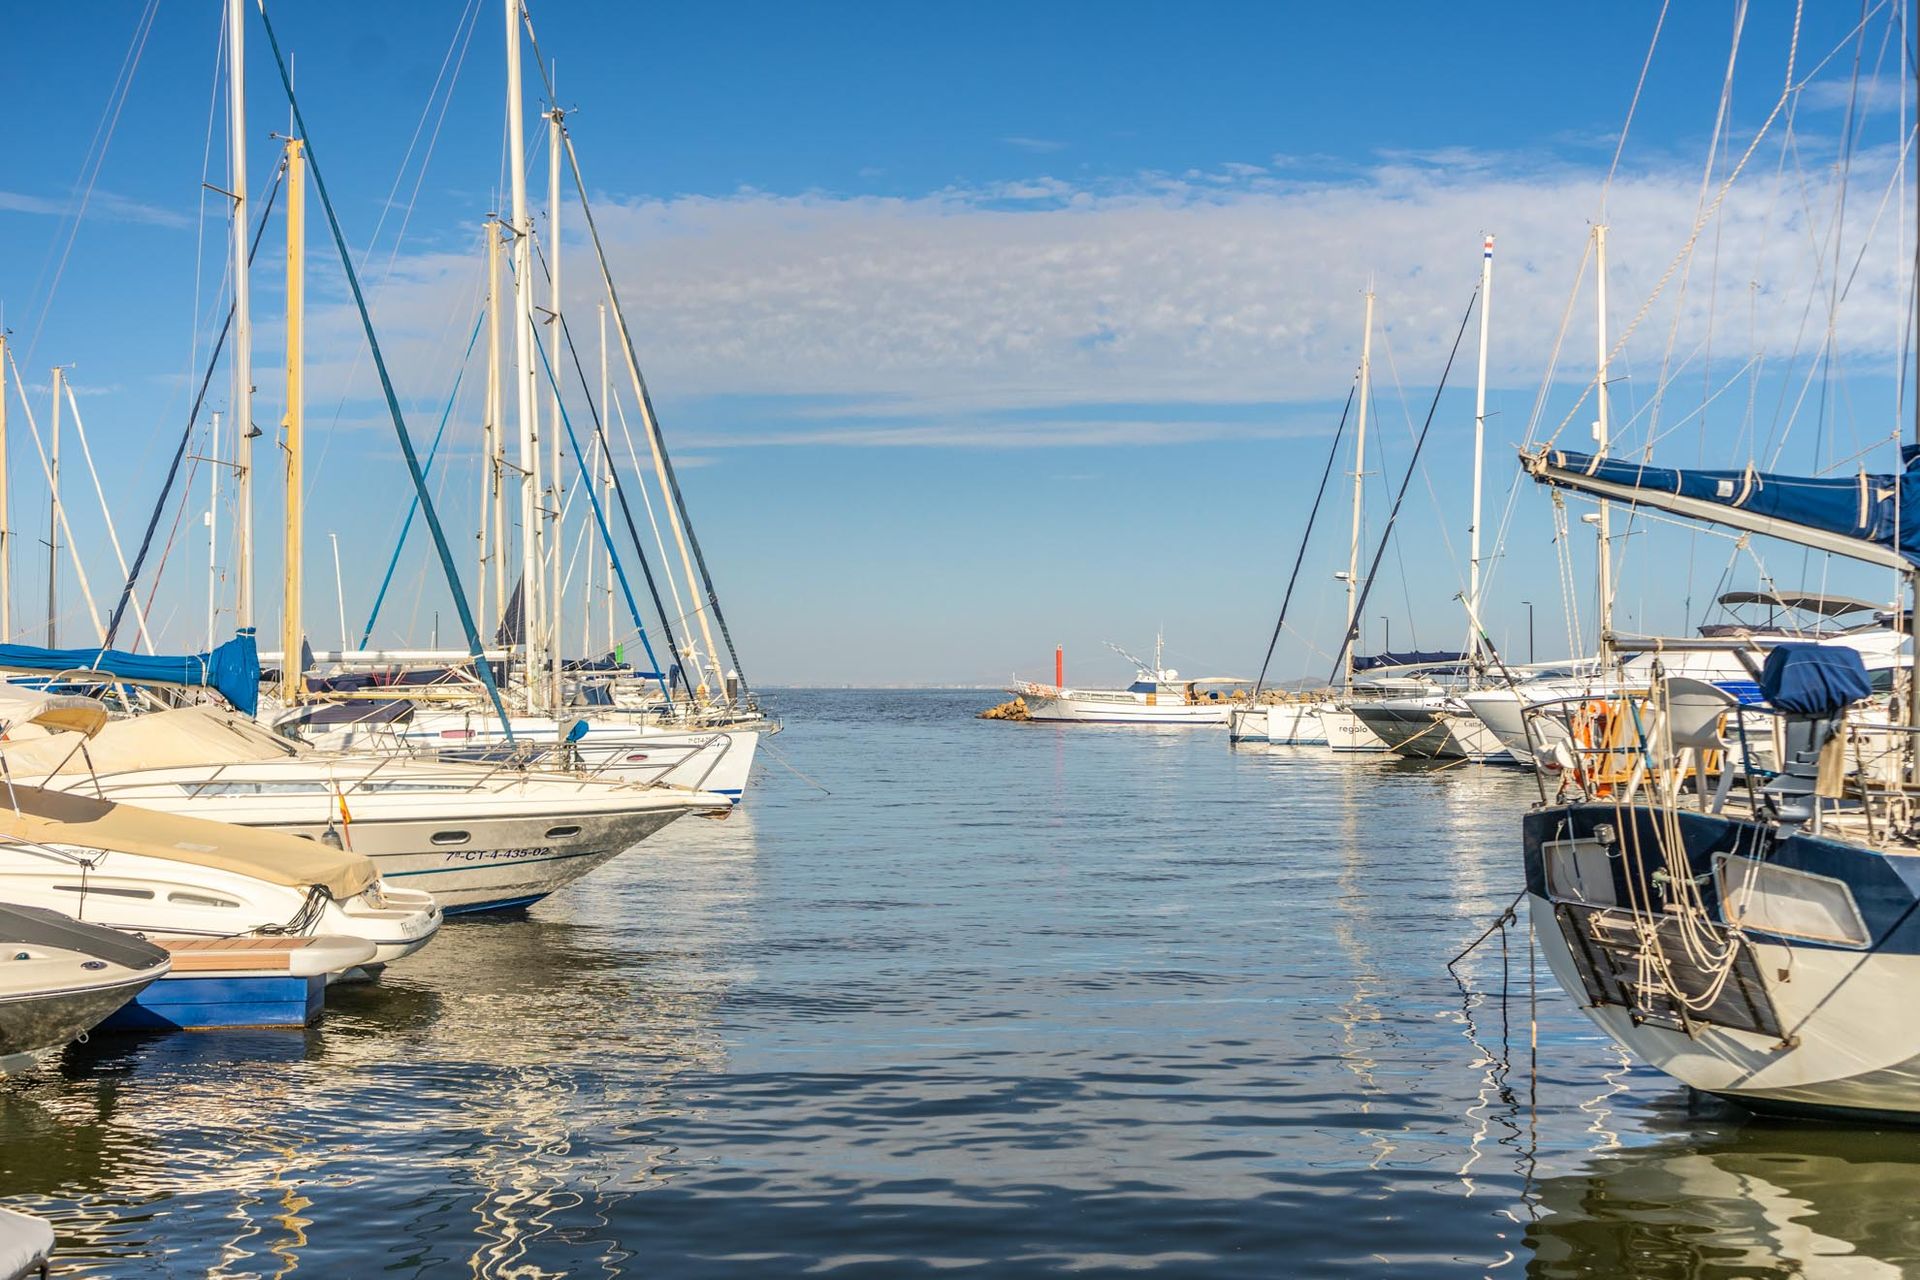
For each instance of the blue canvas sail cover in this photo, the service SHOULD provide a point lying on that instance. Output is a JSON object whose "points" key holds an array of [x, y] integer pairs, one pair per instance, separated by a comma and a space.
{"points": [[232, 670], [1814, 679], [1882, 509]]}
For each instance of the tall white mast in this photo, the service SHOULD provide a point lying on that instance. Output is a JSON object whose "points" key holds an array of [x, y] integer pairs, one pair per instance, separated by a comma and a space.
{"points": [[242, 410], [496, 423], [6, 531], [53, 513], [1479, 445], [1359, 493], [492, 531], [523, 371], [212, 521], [1600, 440], [556, 478], [603, 466]]}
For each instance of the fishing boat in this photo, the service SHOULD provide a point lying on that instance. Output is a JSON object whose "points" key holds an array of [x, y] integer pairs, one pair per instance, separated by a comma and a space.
{"points": [[1157, 696], [60, 978]]}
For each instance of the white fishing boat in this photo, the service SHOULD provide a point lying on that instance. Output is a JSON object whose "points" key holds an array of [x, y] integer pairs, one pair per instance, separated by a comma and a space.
{"points": [[60, 978], [477, 837], [1157, 696]]}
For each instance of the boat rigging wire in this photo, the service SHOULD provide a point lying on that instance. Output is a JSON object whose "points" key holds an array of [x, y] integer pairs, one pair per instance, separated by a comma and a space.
{"points": [[92, 164], [633, 362], [600, 518], [1406, 479], [186, 436], [620, 494], [1333, 453], [1626, 126], [460, 603], [413, 507]]}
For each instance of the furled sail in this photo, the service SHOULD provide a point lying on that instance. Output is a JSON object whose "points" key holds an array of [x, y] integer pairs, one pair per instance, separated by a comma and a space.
{"points": [[1868, 517], [232, 670]]}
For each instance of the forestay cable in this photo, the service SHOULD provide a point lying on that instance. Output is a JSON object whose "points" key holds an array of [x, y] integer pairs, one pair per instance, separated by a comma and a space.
{"points": [[460, 604]]}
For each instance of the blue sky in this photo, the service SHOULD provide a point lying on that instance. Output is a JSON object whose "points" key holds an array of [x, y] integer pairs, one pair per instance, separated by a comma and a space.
{"points": [[983, 330]]}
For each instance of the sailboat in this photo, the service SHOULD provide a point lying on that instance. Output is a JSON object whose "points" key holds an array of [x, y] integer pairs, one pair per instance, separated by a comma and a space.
{"points": [[1437, 723], [1753, 939], [1749, 931], [692, 724]]}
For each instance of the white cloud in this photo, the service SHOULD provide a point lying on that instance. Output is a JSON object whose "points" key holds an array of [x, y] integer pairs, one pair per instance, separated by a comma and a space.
{"points": [[1037, 145], [1214, 288], [104, 205]]}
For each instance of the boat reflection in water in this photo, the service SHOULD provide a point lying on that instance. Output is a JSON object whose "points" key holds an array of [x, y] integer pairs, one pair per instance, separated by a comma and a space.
{"points": [[476, 1078], [1759, 1200]]}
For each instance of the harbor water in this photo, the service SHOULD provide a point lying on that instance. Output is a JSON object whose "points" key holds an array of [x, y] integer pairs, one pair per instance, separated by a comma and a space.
{"points": [[988, 999]]}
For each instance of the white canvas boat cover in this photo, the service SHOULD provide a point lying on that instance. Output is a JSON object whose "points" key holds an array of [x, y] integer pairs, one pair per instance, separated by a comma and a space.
{"points": [[177, 739], [59, 817], [55, 711], [26, 1242]]}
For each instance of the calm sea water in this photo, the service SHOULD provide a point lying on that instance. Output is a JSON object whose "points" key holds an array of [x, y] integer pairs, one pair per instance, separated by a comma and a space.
{"points": [[1011, 1000]]}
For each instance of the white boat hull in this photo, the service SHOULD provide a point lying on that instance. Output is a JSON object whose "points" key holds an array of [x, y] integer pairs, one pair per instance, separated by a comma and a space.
{"points": [[1347, 732], [1294, 724], [1856, 1045], [1119, 707]]}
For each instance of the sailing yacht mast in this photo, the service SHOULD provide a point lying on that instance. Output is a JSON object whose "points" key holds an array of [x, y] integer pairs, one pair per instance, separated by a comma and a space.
{"points": [[6, 534], [1479, 447], [1600, 437], [53, 513], [1359, 482], [530, 535], [291, 645], [242, 410], [556, 480], [603, 468], [495, 467]]}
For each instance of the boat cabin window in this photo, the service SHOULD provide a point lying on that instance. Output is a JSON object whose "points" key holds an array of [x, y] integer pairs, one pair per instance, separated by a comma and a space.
{"points": [[199, 900], [1796, 904], [109, 891], [1881, 680], [1143, 686]]}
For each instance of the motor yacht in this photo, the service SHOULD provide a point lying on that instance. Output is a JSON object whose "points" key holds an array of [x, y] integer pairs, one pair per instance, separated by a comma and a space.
{"points": [[475, 837], [60, 978]]}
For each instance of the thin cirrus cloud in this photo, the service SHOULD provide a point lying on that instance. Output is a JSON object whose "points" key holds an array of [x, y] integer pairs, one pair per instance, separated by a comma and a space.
{"points": [[105, 205], [1039, 146], [917, 317]]}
